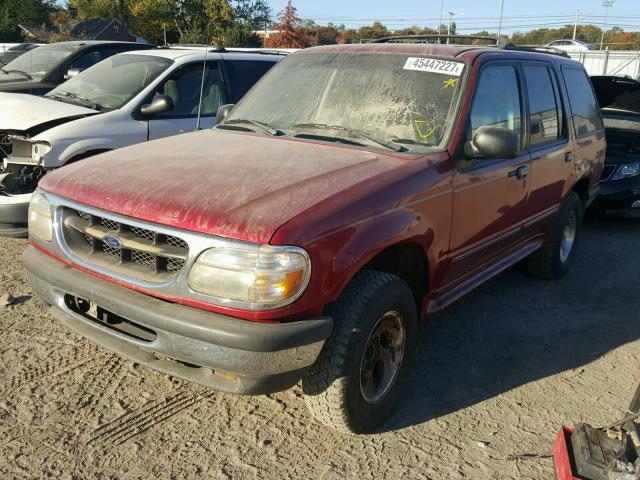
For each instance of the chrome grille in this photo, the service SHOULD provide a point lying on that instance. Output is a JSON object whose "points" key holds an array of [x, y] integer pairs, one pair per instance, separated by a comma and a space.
{"points": [[142, 253], [607, 172]]}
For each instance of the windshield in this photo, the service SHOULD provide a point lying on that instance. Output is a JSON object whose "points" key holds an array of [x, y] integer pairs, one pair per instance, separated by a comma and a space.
{"points": [[394, 98], [113, 82], [41, 60]]}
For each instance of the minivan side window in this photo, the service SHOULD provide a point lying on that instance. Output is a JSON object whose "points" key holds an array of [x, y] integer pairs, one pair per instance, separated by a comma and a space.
{"points": [[584, 106], [497, 100], [545, 110], [244, 73]]}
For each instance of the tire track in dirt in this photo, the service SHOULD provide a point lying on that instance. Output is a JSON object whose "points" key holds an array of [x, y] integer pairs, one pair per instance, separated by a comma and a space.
{"points": [[101, 382], [50, 367], [140, 420]]}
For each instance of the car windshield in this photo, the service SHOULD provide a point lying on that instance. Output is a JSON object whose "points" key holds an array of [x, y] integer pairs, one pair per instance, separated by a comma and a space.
{"points": [[41, 60], [111, 83], [398, 99]]}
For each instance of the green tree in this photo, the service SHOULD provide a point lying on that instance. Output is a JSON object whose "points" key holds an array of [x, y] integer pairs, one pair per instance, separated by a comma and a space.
{"points": [[376, 30], [254, 13], [28, 13]]}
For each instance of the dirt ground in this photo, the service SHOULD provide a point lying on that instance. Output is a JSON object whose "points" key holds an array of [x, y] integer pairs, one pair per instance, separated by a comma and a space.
{"points": [[493, 379]]}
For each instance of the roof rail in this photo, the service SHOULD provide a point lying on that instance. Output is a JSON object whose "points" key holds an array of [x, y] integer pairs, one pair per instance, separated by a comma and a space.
{"points": [[536, 49], [436, 38], [211, 48], [216, 49]]}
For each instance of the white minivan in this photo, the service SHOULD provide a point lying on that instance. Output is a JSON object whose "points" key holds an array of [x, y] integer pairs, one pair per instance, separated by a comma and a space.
{"points": [[129, 98]]}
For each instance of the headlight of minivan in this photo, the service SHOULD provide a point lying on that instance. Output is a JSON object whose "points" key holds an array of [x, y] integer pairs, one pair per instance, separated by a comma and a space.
{"points": [[39, 150], [251, 277], [40, 217], [628, 170]]}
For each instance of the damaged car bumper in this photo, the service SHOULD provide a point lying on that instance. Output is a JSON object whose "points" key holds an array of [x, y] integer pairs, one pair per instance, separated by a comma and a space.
{"points": [[214, 350]]}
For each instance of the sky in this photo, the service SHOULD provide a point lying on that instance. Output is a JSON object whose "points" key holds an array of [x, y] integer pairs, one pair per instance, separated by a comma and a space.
{"points": [[470, 15]]}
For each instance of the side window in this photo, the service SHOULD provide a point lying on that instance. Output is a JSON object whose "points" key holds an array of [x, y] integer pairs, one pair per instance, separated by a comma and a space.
{"points": [[545, 111], [243, 74], [87, 60], [183, 87], [584, 106], [497, 100]]}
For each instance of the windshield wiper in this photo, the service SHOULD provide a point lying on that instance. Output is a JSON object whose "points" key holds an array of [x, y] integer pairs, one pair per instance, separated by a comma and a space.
{"points": [[263, 127], [390, 145], [19, 72], [79, 99]]}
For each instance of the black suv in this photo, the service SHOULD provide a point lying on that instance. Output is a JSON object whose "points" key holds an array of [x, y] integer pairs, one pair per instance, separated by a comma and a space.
{"points": [[41, 69]]}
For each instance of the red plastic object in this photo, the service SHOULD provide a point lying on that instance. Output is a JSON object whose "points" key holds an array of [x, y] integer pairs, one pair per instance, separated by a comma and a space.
{"points": [[561, 459]]}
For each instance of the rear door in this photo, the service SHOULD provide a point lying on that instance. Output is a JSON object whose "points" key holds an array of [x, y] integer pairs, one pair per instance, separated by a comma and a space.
{"points": [[183, 87], [548, 142], [490, 196]]}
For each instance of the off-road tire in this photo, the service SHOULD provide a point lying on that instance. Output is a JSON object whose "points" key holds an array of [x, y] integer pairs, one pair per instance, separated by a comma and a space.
{"points": [[547, 262], [332, 386]]}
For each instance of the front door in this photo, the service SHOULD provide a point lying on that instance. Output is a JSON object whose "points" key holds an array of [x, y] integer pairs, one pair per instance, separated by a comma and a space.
{"points": [[490, 196], [183, 87]]}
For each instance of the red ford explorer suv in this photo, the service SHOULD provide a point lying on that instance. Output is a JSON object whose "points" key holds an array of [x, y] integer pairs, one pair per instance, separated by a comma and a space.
{"points": [[354, 191]]}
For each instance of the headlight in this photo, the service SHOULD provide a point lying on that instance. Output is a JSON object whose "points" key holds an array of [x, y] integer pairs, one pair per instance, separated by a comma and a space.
{"points": [[628, 170], [39, 150], [251, 277], [40, 217]]}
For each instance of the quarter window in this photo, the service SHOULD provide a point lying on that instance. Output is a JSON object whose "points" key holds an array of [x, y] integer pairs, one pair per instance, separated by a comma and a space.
{"points": [[545, 112], [584, 106], [497, 100]]}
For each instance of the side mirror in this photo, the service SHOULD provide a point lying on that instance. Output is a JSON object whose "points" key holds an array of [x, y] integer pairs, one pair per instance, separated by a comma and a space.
{"points": [[159, 104], [493, 143], [223, 111], [72, 73]]}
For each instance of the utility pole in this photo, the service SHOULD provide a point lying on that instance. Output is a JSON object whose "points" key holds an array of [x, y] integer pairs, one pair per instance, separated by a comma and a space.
{"points": [[606, 4], [575, 25], [451, 14], [440, 22], [500, 25]]}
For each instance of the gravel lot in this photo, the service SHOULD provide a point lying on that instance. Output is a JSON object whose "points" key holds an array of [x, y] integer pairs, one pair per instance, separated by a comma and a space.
{"points": [[493, 379]]}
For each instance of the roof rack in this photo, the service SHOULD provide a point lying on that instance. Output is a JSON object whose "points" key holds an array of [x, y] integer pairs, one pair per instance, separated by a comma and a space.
{"points": [[536, 49], [216, 49], [436, 38], [495, 42]]}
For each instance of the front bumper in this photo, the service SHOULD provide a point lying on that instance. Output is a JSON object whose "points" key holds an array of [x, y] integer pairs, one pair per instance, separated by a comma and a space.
{"points": [[210, 349], [617, 197], [13, 215]]}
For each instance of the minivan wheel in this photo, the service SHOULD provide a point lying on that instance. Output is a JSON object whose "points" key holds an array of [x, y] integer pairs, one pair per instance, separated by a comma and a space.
{"points": [[555, 257], [355, 383]]}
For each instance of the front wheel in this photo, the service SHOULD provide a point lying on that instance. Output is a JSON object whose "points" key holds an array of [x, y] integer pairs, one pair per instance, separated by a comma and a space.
{"points": [[555, 257], [356, 381]]}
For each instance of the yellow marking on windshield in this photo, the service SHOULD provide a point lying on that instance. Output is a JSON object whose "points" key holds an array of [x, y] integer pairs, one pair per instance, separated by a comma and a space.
{"points": [[425, 128], [451, 82]]}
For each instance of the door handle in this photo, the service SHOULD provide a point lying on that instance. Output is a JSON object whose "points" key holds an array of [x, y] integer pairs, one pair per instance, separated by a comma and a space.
{"points": [[519, 172], [568, 157]]}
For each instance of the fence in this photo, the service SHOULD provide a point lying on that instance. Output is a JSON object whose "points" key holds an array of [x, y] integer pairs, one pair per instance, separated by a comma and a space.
{"points": [[623, 63]]}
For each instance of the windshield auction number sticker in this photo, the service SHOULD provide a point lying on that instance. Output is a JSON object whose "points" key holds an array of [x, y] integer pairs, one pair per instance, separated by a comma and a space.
{"points": [[434, 65]]}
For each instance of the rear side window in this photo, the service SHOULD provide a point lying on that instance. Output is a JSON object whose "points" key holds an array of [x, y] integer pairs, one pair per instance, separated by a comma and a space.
{"points": [[545, 111], [244, 73], [584, 106], [497, 100]]}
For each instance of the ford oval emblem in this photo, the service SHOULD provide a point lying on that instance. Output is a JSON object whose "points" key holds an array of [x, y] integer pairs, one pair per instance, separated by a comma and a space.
{"points": [[111, 241]]}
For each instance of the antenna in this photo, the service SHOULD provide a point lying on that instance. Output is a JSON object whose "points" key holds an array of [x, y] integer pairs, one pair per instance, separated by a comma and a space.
{"points": [[204, 69]]}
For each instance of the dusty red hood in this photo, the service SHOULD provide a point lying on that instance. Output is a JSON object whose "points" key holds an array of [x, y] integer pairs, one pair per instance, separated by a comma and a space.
{"points": [[227, 184]]}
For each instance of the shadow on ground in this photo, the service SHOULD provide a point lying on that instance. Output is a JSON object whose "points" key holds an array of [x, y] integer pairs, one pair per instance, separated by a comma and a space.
{"points": [[516, 329]]}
